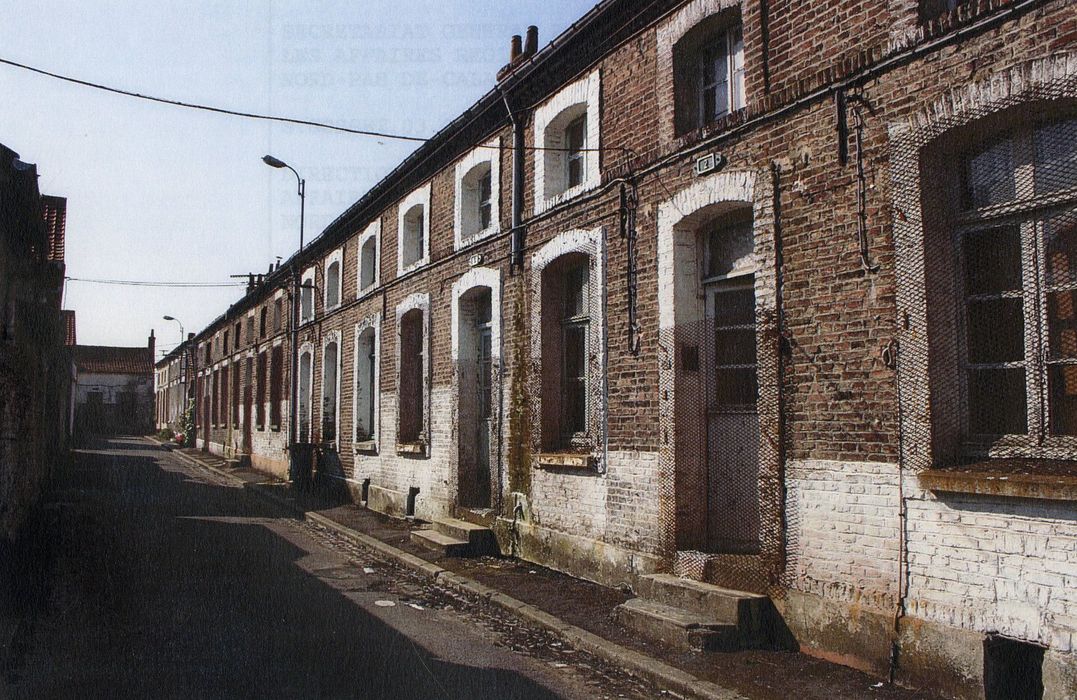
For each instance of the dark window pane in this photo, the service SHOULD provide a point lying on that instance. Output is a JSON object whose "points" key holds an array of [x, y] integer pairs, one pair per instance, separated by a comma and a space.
{"points": [[734, 346], [735, 387], [734, 308], [993, 261], [997, 402], [1062, 385], [989, 176], [1062, 324], [996, 331], [575, 171], [1056, 157], [575, 339], [1060, 240], [730, 247]]}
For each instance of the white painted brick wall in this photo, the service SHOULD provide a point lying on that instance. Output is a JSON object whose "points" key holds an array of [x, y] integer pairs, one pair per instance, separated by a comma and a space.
{"points": [[844, 530], [995, 565], [619, 507]]}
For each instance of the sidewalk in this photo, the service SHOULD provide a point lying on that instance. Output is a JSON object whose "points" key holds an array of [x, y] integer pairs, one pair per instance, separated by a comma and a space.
{"points": [[575, 610]]}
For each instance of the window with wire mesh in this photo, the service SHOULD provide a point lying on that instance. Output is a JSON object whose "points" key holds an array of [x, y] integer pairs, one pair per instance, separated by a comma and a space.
{"points": [[1016, 239], [708, 71]]}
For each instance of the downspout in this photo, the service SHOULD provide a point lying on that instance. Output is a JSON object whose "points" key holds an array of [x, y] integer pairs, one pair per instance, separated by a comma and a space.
{"points": [[516, 240]]}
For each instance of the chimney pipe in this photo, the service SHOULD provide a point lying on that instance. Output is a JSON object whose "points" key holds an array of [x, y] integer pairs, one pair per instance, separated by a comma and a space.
{"points": [[514, 53], [531, 45]]}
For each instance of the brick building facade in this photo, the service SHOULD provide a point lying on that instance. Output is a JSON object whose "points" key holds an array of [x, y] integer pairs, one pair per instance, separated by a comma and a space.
{"points": [[768, 296]]}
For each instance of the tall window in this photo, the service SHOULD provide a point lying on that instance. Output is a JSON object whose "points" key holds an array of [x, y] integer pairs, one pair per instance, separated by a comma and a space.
{"points": [[412, 384], [236, 377], [476, 209], [223, 397], [575, 155], [238, 329], [332, 285], [1016, 234], [276, 385], [330, 373], [262, 321], [306, 369], [306, 298], [365, 384], [368, 261], [709, 72], [278, 314], [930, 9], [260, 396], [215, 397], [566, 352]]}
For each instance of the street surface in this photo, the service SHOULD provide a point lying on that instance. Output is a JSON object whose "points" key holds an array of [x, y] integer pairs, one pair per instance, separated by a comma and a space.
{"points": [[168, 583]]}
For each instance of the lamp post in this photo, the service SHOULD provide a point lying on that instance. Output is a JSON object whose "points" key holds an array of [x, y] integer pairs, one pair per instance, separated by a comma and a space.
{"points": [[293, 409], [185, 364]]}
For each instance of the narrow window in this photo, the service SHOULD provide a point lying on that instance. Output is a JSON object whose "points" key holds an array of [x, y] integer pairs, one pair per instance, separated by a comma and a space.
{"points": [[224, 343], [566, 353], [215, 397], [262, 325], [368, 260], [485, 207], [250, 330], [260, 396], [238, 330], [276, 386], [575, 155], [223, 396], [332, 285], [413, 236], [330, 371], [306, 367], [365, 380], [575, 322], [236, 376], [306, 299], [412, 386], [278, 314]]}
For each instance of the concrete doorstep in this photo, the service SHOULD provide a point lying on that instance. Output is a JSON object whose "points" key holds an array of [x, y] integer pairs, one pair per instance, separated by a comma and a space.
{"points": [[660, 674]]}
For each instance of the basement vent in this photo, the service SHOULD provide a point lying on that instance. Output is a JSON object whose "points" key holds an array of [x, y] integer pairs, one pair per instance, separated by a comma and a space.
{"points": [[1013, 670]]}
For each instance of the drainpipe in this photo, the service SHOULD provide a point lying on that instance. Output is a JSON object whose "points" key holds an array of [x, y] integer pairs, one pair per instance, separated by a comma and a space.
{"points": [[516, 241]]}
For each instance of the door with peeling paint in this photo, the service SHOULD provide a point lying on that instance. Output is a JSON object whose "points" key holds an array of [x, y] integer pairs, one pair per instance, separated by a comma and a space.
{"points": [[732, 388]]}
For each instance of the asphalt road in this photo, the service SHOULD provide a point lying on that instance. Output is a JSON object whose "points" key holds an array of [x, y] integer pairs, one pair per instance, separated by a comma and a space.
{"points": [[168, 584]]}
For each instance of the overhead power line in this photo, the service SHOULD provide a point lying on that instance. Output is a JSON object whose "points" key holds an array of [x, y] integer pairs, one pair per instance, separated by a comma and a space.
{"points": [[142, 283], [208, 108], [270, 117]]}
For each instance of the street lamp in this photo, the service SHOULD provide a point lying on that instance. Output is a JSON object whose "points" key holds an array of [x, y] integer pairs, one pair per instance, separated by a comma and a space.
{"points": [[189, 382], [293, 407]]}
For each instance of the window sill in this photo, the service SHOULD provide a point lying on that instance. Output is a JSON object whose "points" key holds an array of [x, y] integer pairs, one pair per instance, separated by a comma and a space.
{"points": [[1053, 480], [477, 236], [366, 446], [565, 460], [417, 449], [551, 201], [403, 269]]}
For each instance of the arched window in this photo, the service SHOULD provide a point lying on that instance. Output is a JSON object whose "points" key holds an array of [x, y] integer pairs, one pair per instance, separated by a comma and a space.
{"points": [[566, 352], [708, 70], [330, 390], [366, 382], [306, 297], [332, 285], [368, 261], [476, 209], [566, 150], [413, 236], [306, 380], [412, 393]]}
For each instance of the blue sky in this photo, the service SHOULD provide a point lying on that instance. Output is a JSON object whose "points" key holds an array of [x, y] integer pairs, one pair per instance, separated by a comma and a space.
{"points": [[167, 194]]}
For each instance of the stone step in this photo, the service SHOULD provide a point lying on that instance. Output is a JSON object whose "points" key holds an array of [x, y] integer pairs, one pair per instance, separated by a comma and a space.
{"points": [[676, 627], [441, 543], [481, 539], [740, 608]]}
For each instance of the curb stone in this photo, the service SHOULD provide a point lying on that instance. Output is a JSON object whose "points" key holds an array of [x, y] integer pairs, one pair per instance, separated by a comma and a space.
{"points": [[637, 664]]}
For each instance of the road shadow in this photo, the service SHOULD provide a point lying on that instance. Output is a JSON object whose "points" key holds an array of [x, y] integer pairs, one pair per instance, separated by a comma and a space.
{"points": [[161, 589]]}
